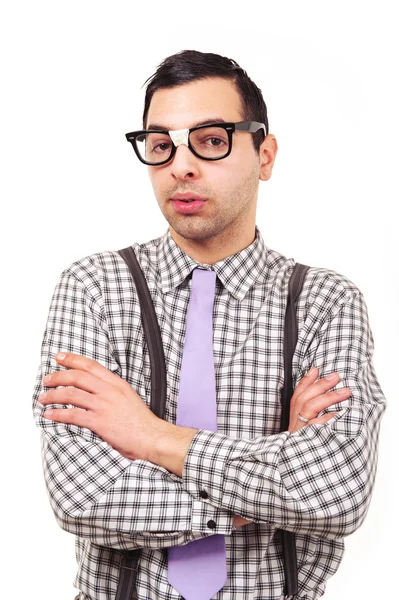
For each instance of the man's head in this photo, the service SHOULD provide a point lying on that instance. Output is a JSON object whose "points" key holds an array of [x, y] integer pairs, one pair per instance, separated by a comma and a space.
{"points": [[191, 65], [190, 88]]}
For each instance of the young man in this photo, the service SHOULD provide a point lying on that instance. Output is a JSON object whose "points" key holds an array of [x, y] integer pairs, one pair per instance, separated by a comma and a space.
{"points": [[120, 478]]}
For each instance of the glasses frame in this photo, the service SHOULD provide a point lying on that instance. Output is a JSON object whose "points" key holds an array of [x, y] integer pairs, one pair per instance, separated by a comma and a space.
{"points": [[230, 128]]}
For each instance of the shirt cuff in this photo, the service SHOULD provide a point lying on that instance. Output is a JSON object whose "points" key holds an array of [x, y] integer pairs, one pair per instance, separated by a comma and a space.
{"points": [[208, 519], [205, 464], [214, 466]]}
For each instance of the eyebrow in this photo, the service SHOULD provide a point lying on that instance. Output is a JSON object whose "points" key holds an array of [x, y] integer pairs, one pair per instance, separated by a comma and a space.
{"points": [[206, 122]]}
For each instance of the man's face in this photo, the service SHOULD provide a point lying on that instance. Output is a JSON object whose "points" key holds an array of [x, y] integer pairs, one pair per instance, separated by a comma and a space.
{"points": [[230, 185]]}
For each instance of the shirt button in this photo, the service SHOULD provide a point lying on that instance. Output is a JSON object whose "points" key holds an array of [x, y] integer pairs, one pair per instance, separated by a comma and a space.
{"points": [[203, 494], [211, 524]]}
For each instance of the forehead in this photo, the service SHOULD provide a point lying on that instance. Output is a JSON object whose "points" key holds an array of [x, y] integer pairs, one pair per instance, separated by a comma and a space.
{"points": [[188, 104]]}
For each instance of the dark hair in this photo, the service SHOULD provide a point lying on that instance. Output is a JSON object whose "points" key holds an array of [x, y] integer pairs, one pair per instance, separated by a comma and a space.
{"points": [[191, 65]]}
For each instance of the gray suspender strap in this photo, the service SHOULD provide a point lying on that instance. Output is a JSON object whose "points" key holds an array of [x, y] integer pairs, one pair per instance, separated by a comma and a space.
{"points": [[290, 339], [152, 334], [129, 563]]}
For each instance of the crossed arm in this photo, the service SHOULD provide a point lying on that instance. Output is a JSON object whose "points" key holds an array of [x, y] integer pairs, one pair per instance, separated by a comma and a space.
{"points": [[124, 478]]}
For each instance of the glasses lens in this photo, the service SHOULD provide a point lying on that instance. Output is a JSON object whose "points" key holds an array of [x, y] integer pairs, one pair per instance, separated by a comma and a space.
{"points": [[154, 147], [210, 142]]}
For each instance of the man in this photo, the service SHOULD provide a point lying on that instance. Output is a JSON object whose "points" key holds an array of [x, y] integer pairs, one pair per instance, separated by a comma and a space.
{"points": [[120, 478]]}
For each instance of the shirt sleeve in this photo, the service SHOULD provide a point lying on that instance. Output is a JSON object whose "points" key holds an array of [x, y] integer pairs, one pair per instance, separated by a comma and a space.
{"points": [[94, 491], [319, 479]]}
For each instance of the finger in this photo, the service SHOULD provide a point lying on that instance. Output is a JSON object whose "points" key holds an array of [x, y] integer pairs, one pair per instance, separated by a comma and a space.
{"points": [[311, 408], [319, 387], [306, 381], [72, 395], [71, 416], [78, 379], [83, 363], [324, 418], [317, 421], [85, 373]]}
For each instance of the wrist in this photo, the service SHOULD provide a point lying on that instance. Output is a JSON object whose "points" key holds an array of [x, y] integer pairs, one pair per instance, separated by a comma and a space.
{"points": [[240, 521], [170, 446]]}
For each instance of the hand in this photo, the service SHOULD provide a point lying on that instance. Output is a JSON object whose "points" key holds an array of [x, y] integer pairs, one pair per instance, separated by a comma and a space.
{"points": [[240, 521], [310, 398], [112, 408]]}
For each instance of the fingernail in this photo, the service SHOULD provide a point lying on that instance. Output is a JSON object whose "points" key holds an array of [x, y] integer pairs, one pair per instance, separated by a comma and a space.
{"points": [[48, 413], [331, 376], [47, 378], [311, 372], [342, 391]]}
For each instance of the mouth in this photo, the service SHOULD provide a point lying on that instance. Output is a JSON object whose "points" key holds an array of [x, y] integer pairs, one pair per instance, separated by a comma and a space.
{"points": [[188, 198], [188, 203]]}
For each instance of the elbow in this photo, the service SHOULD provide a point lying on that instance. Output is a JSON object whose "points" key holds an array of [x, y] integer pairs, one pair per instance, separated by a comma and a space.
{"points": [[65, 519], [349, 516], [352, 520]]}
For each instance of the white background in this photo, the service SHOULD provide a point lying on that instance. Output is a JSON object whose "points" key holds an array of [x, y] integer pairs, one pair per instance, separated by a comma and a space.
{"points": [[71, 87]]}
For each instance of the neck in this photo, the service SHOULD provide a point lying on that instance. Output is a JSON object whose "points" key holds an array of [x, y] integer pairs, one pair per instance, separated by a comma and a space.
{"points": [[212, 250]]}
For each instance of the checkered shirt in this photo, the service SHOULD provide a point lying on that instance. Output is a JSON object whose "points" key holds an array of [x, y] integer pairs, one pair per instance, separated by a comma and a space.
{"points": [[316, 482]]}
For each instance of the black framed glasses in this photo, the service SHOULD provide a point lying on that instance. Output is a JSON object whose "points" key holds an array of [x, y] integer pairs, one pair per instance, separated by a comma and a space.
{"points": [[213, 141]]}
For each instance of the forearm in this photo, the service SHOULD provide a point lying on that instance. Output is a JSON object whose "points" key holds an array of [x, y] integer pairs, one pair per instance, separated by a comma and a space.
{"points": [[255, 478], [317, 481], [97, 494]]}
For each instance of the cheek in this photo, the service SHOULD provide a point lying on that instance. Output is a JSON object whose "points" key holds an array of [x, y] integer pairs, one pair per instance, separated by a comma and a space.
{"points": [[219, 179], [157, 179], [233, 172]]}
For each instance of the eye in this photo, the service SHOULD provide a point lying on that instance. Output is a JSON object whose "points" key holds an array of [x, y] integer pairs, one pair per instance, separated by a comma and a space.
{"points": [[212, 141], [215, 142], [160, 147]]}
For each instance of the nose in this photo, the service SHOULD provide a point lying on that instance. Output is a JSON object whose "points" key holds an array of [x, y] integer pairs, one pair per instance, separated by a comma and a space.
{"points": [[184, 165]]}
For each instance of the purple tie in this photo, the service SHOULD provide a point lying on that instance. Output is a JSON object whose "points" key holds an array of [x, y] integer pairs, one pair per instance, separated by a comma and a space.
{"points": [[198, 569]]}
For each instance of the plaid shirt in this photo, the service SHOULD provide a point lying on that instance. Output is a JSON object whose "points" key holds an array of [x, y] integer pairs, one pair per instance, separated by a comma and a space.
{"points": [[316, 482]]}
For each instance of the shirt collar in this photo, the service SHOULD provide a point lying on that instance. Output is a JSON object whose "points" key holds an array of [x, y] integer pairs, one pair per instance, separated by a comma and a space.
{"points": [[237, 272]]}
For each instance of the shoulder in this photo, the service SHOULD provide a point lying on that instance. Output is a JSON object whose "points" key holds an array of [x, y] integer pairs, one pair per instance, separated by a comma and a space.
{"points": [[327, 293], [320, 283], [327, 283], [107, 270]]}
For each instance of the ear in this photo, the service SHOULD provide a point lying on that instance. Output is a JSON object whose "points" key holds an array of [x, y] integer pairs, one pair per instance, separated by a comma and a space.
{"points": [[267, 155]]}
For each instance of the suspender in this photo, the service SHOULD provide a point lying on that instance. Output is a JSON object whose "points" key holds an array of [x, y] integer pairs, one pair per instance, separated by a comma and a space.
{"points": [[128, 568], [290, 339], [129, 563]]}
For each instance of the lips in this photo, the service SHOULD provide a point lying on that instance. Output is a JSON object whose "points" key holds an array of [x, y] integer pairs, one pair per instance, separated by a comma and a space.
{"points": [[188, 206], [188, 196]]}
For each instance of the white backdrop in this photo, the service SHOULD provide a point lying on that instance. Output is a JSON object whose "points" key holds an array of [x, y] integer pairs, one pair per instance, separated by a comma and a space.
{"points": [[71, 79]]}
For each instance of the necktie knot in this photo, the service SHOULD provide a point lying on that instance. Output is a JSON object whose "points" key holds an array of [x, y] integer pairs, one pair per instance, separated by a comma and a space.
{"points": [[203, 285]]}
